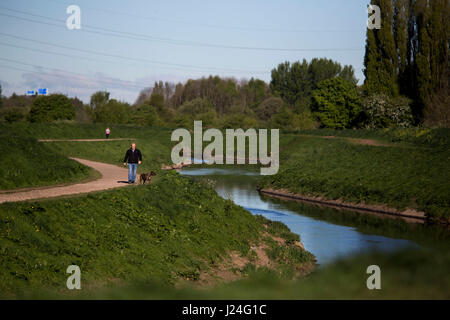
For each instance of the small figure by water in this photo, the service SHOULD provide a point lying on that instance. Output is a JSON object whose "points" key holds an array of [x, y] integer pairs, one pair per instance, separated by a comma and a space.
{"points": [[107, 131], [133, 157]]}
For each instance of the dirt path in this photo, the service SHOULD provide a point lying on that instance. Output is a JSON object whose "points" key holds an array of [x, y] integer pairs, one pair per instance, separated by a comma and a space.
{"points": [[82, 140], [112, 177], [368, 142]]}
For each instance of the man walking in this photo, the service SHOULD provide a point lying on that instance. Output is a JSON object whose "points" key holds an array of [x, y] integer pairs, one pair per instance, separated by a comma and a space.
{"points": [[134, 157]]}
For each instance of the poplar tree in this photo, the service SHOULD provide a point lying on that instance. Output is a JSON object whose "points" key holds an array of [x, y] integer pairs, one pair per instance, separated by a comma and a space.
{"points": [[401, 17], [423, 59], [410, 53], [381, 55]]}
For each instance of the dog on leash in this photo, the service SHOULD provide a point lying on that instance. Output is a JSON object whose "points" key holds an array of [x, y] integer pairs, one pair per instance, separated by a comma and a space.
{"points": [[144, 177]]}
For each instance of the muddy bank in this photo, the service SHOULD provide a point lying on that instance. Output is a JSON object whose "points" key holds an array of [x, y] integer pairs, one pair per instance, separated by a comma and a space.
{"points": [[409, 215], [232, 267]]}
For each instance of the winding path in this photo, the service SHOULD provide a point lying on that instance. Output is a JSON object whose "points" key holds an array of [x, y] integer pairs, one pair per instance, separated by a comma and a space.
{"points": [[112, 177]]}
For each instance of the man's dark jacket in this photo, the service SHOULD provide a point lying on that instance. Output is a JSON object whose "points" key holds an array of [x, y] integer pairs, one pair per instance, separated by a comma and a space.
{"points": [[132, 157]]}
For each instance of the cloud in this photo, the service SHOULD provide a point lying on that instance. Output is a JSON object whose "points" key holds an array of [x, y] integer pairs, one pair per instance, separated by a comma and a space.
{"points": [[83, 86], [4, 84]]}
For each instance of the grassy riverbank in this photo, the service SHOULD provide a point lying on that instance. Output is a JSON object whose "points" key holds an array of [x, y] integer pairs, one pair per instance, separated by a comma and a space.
{"points": [[401, 176], [411, 172], [173, 231]]}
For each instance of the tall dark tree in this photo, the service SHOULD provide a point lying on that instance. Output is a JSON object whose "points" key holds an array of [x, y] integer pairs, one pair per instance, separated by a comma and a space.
{"points": [[401, 17], [417, 65], [381, 55], [422, 59]]}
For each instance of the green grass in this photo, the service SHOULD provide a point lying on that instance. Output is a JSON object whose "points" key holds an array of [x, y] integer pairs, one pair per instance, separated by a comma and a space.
{"points": [[408, 274], [154, 143], [411, 173], [137, 242], [27, 163], [168, 231], [407, 136], [400, 177]]}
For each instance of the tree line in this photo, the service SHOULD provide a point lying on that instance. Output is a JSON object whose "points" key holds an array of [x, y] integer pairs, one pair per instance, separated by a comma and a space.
{"points": [[406, 67], [288, 101]]}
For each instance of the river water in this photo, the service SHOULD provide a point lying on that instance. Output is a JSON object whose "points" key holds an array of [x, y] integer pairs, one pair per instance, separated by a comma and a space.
{"points": [[327, 241]]}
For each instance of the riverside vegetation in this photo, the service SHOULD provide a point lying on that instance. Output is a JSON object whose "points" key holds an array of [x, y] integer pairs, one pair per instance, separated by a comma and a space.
{"points": [[410, 172]]}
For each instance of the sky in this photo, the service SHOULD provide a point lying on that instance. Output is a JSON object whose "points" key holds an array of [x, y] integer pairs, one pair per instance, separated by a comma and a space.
{"points": [[125, 46]]}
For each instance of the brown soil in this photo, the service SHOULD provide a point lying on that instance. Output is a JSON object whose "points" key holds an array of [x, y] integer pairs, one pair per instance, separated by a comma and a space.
{"points": [[409, 215], [368, 142], [111, 177], [230, 269]]}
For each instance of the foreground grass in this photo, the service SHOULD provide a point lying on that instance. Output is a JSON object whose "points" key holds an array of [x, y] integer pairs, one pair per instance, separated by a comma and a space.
{"points": [[409, 274], [173, 230], [27, 163]]}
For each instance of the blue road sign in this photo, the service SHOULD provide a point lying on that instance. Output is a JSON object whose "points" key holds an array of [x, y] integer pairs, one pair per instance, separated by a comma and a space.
{"points": [[42, 91]]}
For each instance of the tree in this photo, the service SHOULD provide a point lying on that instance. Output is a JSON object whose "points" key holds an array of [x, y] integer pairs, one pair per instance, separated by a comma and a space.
{"points": [[380, 60], [1, 98], [253, 93], [144, 95], [146, 114], [83, 113], [409, 54], [51, 108], [402, 12], [114, 112], [13, 114], [268, 108], [157, 100], [336, 103], [99, 99], [291, 82], [196, 106], [297, 81]]}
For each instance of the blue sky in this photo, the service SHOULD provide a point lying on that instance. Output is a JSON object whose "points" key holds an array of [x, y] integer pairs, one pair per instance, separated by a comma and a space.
{"points": [[124, 46]]}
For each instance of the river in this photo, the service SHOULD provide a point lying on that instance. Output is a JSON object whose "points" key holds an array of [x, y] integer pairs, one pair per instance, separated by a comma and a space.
{"points": [[327, 241]]}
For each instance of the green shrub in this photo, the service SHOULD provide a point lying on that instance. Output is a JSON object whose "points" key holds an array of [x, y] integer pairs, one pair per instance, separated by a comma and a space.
{"points": [[268, 108], [51, 108], [382, 111], [336, 103], [13, 114]]}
